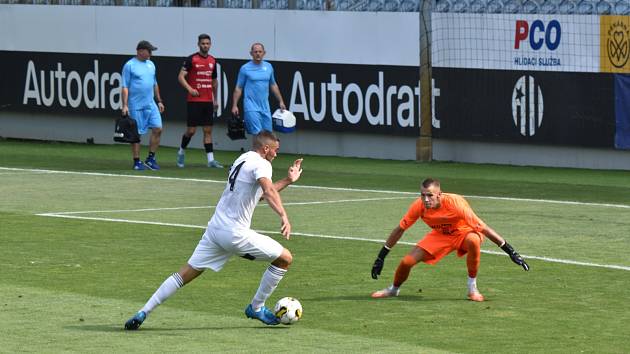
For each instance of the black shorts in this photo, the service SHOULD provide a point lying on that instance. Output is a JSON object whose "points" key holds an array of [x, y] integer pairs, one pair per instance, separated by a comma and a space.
{"points": [[200, 113]]}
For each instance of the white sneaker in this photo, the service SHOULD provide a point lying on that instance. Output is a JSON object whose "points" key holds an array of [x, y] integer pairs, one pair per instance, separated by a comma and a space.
{"points": [[387, 292], [214, 164], [180, 160]]}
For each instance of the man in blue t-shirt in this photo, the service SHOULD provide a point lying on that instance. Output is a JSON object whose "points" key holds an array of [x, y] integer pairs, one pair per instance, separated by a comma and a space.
{"points": [[255, 78], [140, 90]]}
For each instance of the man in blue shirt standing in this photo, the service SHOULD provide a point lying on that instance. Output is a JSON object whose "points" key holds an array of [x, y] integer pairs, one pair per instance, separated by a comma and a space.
{"points": [[255, 78], [140, 90]]}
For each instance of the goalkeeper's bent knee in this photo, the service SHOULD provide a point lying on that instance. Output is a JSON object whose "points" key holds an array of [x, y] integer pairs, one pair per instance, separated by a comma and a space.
{"points": [[408, 261]]}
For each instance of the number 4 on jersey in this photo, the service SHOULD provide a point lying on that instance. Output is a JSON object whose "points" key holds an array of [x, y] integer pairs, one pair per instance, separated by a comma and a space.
{"points": [[234, 174]]}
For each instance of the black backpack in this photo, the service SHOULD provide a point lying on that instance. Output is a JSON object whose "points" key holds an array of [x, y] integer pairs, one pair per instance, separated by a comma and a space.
{"points": [[235, 128], [126, 130]]}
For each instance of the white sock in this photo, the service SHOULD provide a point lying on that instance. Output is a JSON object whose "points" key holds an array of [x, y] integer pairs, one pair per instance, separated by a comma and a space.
{"points": [[166, 290], [268, 284], [210, 156], [181, 151], [472, 285]]}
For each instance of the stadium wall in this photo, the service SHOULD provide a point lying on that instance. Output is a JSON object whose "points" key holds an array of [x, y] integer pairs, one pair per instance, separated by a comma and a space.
{"points": [[350, 77], [61, 72]]}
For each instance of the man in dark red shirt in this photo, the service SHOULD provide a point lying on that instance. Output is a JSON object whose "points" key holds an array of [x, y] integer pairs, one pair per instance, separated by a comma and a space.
{"points": [[198, 76]]}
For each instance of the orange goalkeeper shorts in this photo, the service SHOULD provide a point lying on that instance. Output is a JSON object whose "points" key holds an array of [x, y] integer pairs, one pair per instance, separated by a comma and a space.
{"points": [[439, 245]]}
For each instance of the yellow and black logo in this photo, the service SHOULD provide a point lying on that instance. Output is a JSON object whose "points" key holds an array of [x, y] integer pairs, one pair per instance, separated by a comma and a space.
{"points": [[615, 44], [618, 44]]}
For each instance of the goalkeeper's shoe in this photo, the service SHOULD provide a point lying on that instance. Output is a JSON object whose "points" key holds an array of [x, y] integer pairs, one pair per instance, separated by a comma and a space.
{"points": [[135, 322], [263, 315], [475, 296], [387, 292]]}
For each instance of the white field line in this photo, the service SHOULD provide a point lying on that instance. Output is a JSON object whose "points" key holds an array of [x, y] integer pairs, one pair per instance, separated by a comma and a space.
{"points": [[607, 205], [547, 259], [345, 201], [350, 238], [212, 206], [22, 173], [52, 215], [122, 210], [99, 174]]}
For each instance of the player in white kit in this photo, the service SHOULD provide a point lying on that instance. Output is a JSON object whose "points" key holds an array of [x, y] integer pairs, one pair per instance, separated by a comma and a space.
{"points": [[229, 233]]}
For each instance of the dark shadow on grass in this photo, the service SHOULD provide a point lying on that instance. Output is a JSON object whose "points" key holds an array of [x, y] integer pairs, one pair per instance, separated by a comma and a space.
{"points": [[366, 297], [148, 328]]}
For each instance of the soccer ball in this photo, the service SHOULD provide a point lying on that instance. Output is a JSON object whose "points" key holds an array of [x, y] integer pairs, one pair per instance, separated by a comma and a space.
{"points": [[288, 310]]}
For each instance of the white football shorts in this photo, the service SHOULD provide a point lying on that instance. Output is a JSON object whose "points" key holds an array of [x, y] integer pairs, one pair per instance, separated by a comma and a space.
{"points": [[217, 246]]}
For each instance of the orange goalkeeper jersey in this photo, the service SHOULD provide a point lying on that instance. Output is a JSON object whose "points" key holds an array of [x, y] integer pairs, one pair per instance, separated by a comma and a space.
{"points": [[452, 217]]}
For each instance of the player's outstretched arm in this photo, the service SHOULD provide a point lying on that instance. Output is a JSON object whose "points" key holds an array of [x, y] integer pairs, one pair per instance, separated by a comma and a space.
{"points": [[294, 173], [500, 241], [275, 202], [393, 238], [377, 267], [295, 170], [516, 258]]}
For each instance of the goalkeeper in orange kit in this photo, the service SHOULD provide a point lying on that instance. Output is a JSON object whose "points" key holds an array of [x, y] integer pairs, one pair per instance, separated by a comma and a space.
{"points": [[455, 227]]}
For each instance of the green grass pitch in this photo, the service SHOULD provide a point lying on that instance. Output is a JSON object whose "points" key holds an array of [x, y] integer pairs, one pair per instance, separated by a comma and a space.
{"points": [[84, 241]]}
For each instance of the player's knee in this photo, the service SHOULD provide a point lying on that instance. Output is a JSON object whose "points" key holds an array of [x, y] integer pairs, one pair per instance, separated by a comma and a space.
{"points": [[288, 257], [188, 273], [409, 261], [285, 259], [156, 131], [473, 242]]}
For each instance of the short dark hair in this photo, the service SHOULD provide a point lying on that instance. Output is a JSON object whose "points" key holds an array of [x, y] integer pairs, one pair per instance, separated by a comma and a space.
{"points": [[257, 43], [262, 138], [204, 36], [430, 181]]}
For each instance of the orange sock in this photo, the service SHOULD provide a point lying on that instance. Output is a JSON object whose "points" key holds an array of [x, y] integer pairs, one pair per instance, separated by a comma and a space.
{"points": [[474, 255], [402, 272]]}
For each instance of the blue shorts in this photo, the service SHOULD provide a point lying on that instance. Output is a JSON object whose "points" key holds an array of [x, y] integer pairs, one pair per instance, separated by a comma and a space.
{"points": [[257, 121], [146, 118]]}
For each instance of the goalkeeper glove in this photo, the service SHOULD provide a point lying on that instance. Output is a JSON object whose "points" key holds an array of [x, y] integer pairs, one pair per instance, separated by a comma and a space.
{"points": [[379, 262], [516, 258]]}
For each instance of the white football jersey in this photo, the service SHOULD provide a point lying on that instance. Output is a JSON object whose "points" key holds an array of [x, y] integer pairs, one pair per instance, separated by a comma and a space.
{"points": [[242, 192]]}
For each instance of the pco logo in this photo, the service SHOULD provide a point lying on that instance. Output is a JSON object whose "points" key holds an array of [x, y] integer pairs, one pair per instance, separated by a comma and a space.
{"points": [[618, 43], [538, 34], [527, 105]]}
